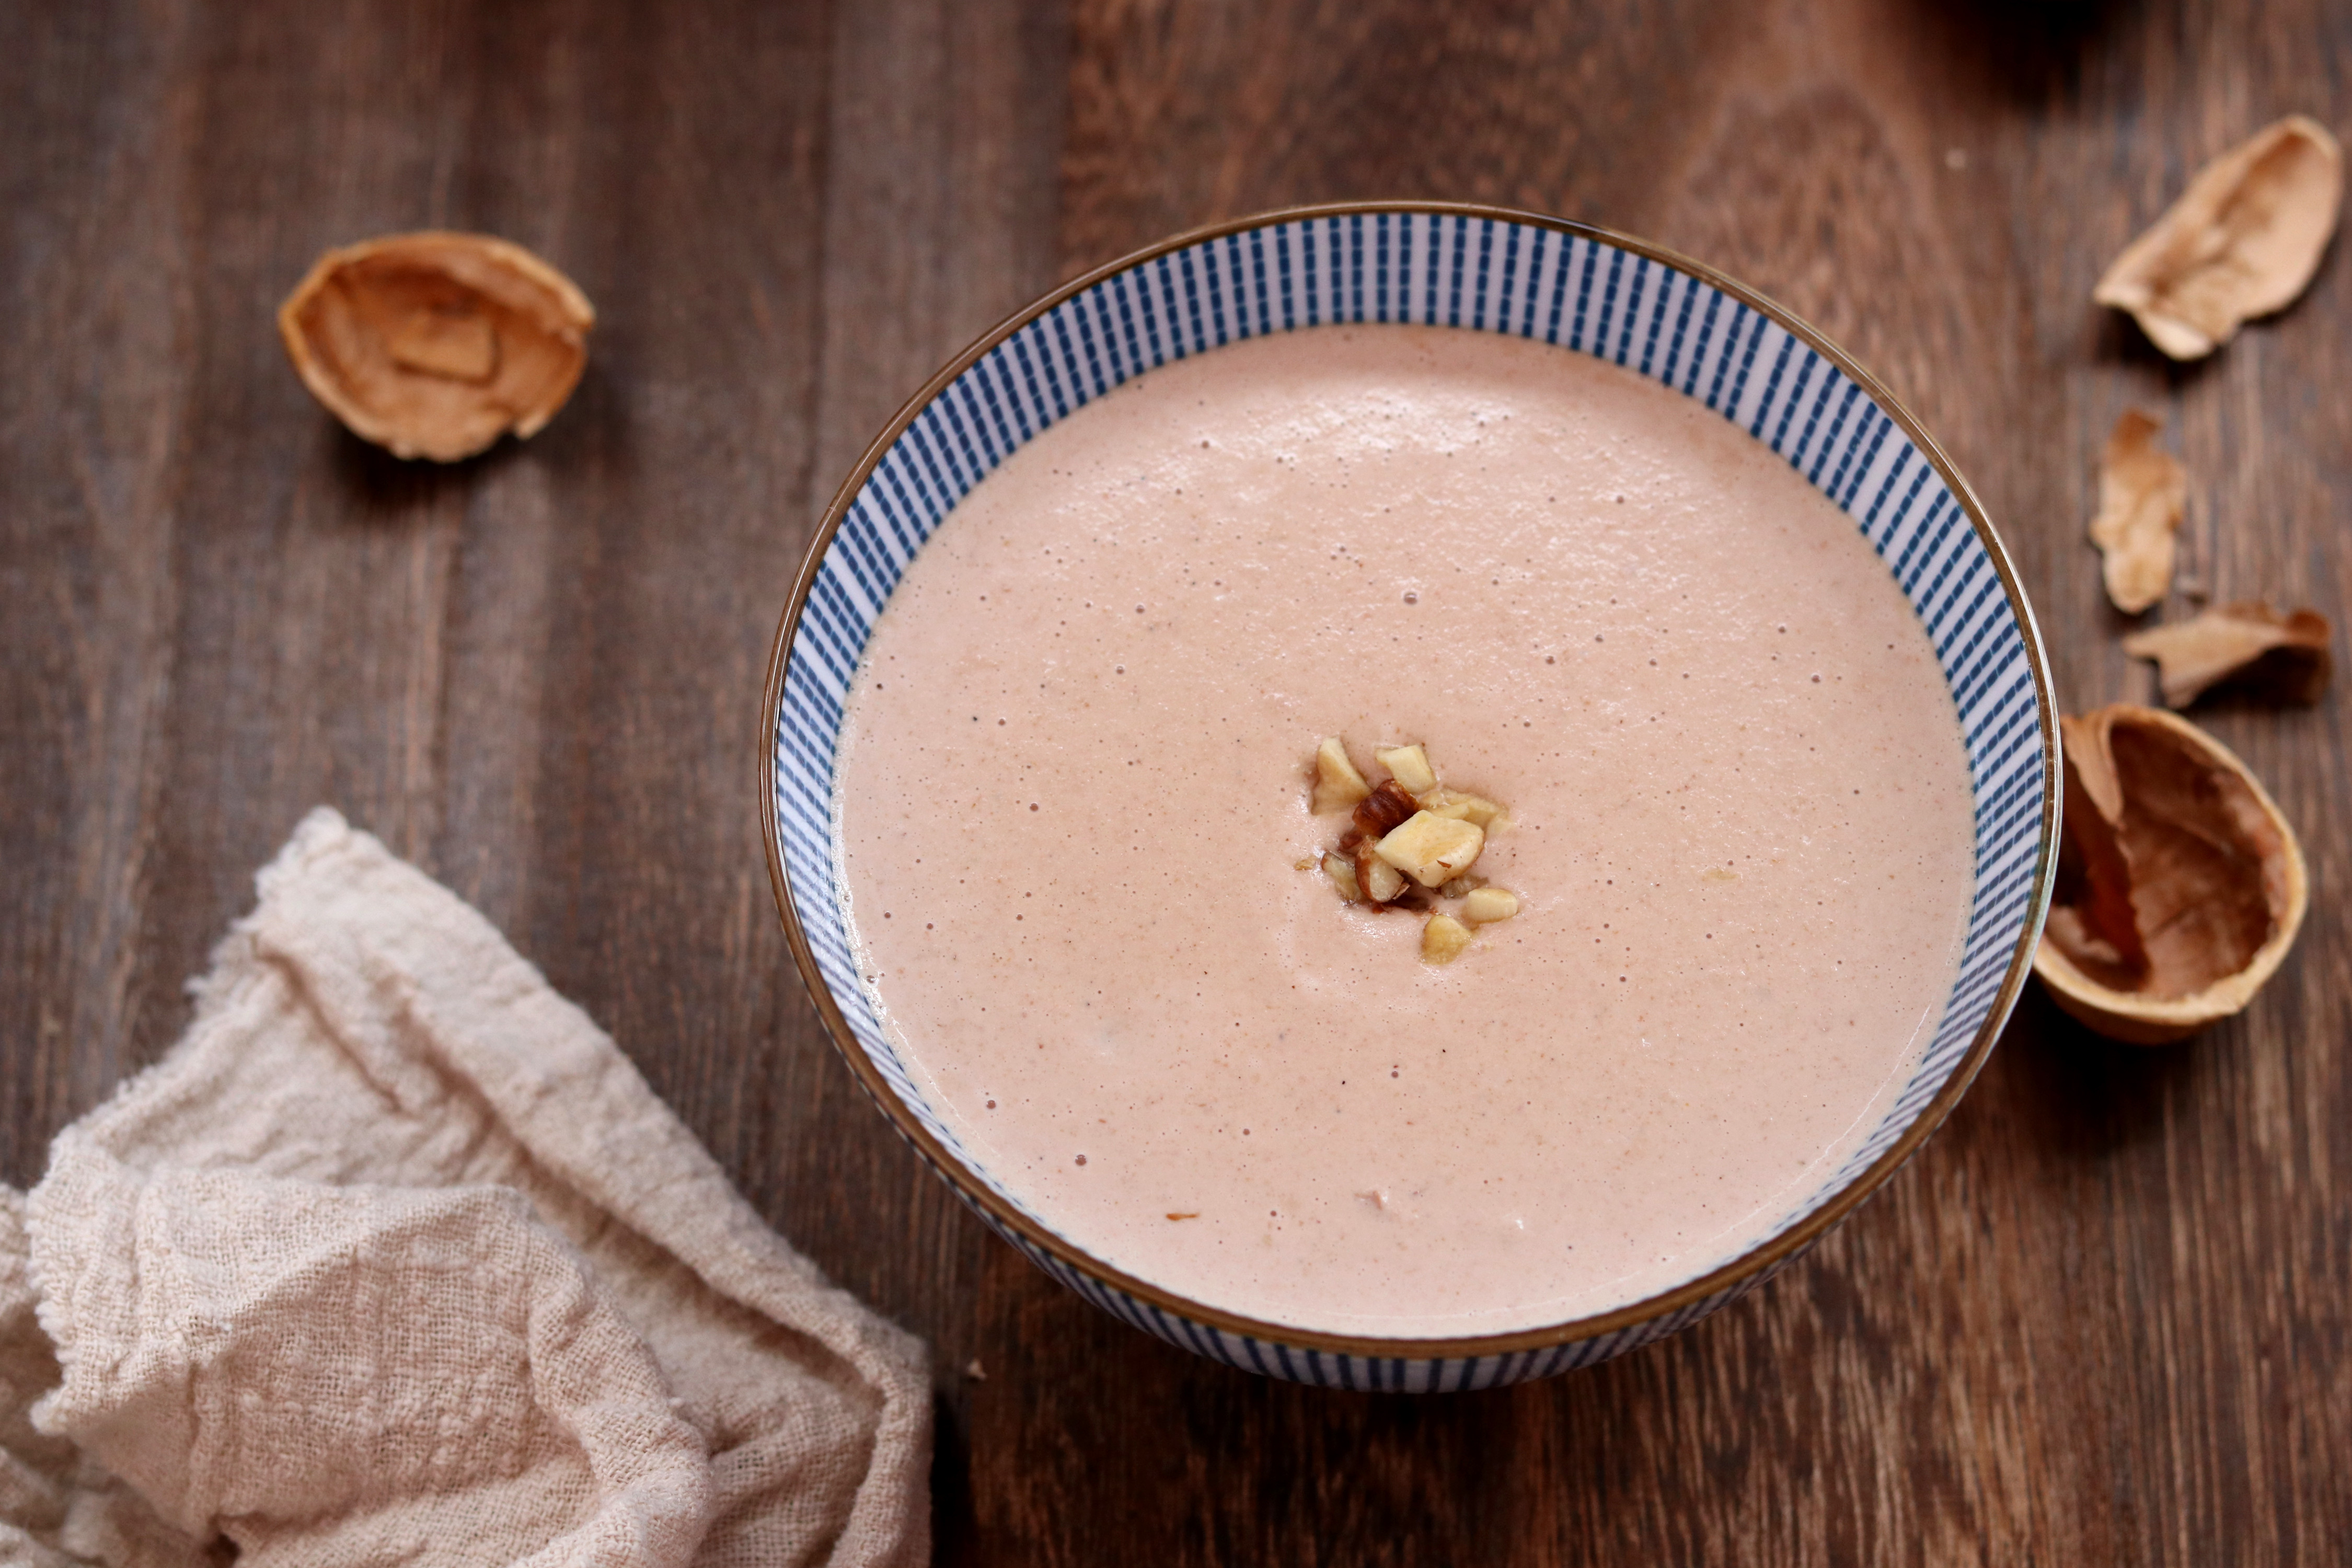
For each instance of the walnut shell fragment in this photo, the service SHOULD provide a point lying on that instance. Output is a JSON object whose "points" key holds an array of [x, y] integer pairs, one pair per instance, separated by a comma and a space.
{"points": [[2247, 646], [435, 344], [2143, 490], [2181, 886], [2242, 242]]}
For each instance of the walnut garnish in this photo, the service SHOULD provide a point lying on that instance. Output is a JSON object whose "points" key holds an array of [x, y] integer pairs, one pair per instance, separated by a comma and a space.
{"points": [[2249, 645], [1380, 881], [1342, 872], [2142, 492], [1407, 847], [1383, 809], [1443, 938], [1409, 765], [435, 344], [1337, 785], [2181, 886], [2242, 241], [1487, 905], [1432, 849], [1443, 802]]}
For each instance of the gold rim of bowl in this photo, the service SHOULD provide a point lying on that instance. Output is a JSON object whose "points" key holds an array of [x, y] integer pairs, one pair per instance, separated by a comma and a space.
{"points": [[1748, 1265]]}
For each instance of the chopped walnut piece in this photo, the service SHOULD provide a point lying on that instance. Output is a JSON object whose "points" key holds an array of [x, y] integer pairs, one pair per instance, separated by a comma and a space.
{"points": [[2142, 492], [1409, 765], [1404, 848], [1380, 881], [1432, 850], [1337, 785], [1443, 938], [1469, 807], [2181, 886], [1383, 809], [1487, 905], [2242, 241], [2248, 644], [1342, 872], [435, 344]]}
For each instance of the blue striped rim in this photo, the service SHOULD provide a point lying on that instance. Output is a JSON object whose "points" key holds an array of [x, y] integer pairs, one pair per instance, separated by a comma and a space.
{"points": [[1480, 272]]}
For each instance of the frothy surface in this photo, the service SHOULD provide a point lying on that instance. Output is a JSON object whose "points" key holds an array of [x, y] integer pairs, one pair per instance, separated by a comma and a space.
{"points": [[1073, 805]]}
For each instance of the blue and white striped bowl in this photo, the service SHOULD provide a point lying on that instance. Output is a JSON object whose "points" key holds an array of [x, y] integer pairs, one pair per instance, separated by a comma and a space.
{"points": [[1478, 269]]}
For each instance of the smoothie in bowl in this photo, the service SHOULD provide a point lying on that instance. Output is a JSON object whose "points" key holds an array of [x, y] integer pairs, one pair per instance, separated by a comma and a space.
{"points": [[1746, 933]]}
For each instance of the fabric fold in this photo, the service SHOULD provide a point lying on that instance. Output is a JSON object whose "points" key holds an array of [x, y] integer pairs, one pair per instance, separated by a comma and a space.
{"points": [[395, 1258]]}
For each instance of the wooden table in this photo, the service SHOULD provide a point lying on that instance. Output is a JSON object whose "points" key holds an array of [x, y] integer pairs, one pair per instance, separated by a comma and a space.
{"points": [[2102, 1319]]}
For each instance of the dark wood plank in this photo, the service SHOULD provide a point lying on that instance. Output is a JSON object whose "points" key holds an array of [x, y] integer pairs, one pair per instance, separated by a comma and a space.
{"points": [[2102, 1319], [2097, 1321]]}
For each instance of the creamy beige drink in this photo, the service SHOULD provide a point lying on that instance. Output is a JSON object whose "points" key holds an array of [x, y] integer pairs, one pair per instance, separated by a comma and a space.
{"points": [[1081, 864]]}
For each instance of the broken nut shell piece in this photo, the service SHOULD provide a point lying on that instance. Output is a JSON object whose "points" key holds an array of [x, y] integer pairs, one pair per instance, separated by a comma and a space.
{"points": [[2242, 241], [2181, 886], [2248, 645], [435, 344], [2142, 493], [1443, 938], [1337, 785], [1431, 849]]}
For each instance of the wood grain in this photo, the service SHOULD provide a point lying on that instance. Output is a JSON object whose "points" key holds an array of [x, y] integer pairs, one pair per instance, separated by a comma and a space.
{"points": [[2102, 1319]]}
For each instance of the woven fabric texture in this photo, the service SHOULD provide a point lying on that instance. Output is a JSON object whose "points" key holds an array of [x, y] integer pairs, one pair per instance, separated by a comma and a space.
{"points": [[395, 1258]]}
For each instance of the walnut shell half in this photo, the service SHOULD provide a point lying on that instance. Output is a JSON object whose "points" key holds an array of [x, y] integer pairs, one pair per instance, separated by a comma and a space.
{"points": [[2181, 886], [435, 344], [2242, 242]]}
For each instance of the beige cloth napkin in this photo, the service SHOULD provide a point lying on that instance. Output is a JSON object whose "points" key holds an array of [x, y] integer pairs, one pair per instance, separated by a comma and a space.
{"points": [[395, 1259]]}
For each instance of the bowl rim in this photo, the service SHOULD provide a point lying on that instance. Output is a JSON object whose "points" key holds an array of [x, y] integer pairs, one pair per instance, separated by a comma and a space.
{"points": [[1747, 1267]]}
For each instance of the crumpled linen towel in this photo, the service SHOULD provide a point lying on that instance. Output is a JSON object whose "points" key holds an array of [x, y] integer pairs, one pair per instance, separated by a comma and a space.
{"points": [[394, 1258]]}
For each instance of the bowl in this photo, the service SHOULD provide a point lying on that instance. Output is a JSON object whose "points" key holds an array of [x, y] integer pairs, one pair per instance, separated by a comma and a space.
{"points": [[1476, 269]]}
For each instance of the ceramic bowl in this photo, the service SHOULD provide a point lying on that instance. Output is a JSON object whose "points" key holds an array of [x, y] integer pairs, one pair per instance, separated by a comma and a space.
{"points": [[1474, 269]]}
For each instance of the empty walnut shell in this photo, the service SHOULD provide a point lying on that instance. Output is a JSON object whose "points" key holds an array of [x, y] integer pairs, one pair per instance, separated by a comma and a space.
{"points": [[2242, 242], [2181, 886], [435, 344]]}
